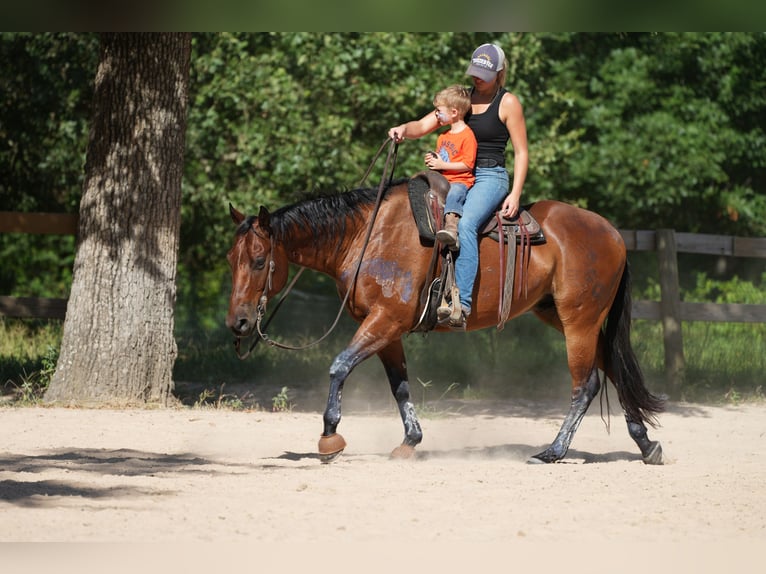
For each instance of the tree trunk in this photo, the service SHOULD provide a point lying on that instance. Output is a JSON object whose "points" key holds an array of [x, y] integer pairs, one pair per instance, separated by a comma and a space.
{"points": [[118, 346]]}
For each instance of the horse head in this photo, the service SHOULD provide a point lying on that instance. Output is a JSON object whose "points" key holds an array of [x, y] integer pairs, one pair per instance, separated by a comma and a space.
{"points": [[259, 269]]}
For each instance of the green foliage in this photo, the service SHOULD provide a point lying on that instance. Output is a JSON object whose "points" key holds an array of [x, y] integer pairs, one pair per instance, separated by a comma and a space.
{"points": [[651, 130], [45, 90], [208, 398], [664, 144], [280, 403]]}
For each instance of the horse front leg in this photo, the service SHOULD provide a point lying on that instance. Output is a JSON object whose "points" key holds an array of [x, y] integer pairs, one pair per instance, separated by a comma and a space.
{"points": [[375, 334], [331, 443], [395, 365], [582, 396]]}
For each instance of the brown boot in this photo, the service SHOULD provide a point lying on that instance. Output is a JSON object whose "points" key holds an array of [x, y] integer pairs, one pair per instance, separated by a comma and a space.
{"points": [[448, 235]]}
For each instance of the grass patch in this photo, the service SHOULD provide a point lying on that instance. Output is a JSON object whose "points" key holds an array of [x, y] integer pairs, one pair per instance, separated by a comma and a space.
{"points": [[28, 354]]}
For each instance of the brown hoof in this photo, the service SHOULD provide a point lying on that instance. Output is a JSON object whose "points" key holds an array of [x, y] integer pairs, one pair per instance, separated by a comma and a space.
{"points": [[331, 447], [403, 451]]}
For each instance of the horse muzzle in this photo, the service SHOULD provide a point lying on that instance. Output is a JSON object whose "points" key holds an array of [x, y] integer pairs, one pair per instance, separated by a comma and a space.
{"points": [[242, 322]]}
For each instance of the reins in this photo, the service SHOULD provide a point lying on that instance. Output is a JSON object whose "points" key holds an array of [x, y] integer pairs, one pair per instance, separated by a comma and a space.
{"points": [[388, 169]]}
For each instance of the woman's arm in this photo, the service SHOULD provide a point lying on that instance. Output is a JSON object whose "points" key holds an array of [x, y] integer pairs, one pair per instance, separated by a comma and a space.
{"points": [[414, 129], [512, 114]]}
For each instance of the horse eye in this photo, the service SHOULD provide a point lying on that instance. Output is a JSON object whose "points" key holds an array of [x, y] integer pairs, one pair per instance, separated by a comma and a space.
{"points": [[259, 263]]}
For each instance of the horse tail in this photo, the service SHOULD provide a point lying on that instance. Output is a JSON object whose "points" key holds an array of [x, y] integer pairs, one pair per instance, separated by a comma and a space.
{"points": [[621, 364]]}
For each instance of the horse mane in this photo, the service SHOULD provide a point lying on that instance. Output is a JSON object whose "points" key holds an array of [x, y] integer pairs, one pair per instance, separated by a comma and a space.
{"points": [[325, 214]]}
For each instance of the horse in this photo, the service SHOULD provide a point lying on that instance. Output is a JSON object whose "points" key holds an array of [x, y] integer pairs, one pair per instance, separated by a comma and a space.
{"points": [[577, 281]]}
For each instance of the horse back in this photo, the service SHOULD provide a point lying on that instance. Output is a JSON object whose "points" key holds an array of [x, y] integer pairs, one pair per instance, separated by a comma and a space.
{"points": [[582, 253], [571, 228]]}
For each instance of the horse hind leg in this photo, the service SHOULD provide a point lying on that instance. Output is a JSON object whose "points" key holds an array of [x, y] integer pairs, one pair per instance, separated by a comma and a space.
{"points": [[546, 312], [651, 450], [582, 396], [582, 357], [395, 366]]}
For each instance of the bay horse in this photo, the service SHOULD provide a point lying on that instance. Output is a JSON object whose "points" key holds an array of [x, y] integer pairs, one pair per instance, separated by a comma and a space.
{"points": [[578, 282]]}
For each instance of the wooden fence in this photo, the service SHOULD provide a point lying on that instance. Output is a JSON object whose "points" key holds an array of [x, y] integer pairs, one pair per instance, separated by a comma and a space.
{"points": [[670, 310], [37, 223]]}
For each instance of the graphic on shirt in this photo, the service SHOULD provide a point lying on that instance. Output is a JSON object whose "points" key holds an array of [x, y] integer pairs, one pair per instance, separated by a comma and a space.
{"points": [[448, 150]]}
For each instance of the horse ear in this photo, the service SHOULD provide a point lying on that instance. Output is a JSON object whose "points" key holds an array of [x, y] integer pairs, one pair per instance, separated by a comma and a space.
{"points": [[264, 220], [236, 216]]}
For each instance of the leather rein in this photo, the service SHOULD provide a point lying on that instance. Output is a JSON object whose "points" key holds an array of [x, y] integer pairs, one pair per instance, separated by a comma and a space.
{"points": [[261, 325]]}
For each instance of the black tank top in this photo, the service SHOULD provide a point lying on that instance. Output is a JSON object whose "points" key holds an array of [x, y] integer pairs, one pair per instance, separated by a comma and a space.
{"points": [[491, 134]]}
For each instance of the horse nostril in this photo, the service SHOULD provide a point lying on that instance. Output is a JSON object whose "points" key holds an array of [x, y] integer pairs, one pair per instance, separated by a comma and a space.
{"points": [[240, 325]]}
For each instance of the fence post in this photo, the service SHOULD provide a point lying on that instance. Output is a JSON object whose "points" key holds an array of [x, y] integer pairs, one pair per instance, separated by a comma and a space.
{"points": [[670, 310]]}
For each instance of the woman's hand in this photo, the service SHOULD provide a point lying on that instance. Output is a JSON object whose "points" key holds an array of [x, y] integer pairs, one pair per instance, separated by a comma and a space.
{"points": [[510, 207], [396, 134]]}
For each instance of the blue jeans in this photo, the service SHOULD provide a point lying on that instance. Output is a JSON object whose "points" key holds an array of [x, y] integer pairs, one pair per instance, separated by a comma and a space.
{"points": [[456, 198], [482, 201]]}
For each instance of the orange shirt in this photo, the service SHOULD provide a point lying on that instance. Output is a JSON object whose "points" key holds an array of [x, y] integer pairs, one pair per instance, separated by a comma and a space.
{"points": [[460, 146]]}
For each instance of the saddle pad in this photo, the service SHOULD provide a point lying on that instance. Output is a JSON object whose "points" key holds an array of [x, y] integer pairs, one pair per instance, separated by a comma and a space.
{"points": [[426, 204]]}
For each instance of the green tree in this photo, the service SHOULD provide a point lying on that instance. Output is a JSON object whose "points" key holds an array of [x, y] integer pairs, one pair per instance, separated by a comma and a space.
{"points": [[45, 94], [665, 142], [118, 344]]}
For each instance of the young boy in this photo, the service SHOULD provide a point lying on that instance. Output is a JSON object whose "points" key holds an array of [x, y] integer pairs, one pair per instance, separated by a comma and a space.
{"points": [[455, 157]]}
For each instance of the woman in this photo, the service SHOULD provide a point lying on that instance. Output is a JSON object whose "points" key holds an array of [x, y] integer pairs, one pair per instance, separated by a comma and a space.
{"points": [[496, 116]]}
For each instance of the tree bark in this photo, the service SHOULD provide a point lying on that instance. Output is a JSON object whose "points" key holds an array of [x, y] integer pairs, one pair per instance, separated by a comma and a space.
{"points": [[118, 345]]}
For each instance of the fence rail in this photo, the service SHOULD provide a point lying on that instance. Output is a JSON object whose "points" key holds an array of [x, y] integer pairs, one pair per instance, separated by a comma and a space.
{"points": [[35, 307], [696, 243], [38, 224]]}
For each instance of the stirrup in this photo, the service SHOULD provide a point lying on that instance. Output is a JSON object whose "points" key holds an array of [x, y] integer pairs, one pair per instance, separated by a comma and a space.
{"points": [[457, 323]]}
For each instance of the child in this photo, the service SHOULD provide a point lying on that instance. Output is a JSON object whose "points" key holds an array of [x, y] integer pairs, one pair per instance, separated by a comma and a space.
{"points": [[455, 157]]}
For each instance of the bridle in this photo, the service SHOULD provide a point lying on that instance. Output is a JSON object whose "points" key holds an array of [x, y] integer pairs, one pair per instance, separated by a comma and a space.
{"points": [[260, 324]]}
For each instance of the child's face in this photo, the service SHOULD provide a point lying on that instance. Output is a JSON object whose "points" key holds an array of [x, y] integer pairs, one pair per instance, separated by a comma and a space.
{"points": [[445, 115]]}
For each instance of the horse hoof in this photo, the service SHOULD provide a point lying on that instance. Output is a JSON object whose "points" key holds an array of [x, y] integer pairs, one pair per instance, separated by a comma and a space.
{"points": [[654, 456], [545, 457], [403, 451], [331, 447]]}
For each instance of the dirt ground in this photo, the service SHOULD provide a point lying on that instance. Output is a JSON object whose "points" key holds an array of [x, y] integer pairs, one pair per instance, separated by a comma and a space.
{"points": [[208, 475]]}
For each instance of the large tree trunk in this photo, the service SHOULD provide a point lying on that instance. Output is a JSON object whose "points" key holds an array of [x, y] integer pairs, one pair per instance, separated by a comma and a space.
{"points": [[118, 346]]}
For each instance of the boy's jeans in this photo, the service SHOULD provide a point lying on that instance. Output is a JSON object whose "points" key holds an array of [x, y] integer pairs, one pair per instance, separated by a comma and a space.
{"points": [[486, 195], [456, 198]]}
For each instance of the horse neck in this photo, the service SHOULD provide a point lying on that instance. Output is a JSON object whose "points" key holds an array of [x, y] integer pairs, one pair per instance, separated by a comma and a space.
{"points": [[321, 253]]}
